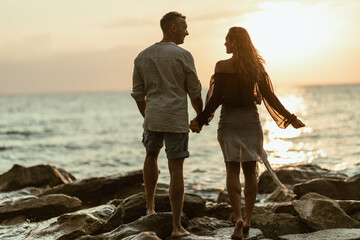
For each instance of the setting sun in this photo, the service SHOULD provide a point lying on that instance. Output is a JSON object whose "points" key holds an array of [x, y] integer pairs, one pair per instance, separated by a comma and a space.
{"points": [[288, 32]]}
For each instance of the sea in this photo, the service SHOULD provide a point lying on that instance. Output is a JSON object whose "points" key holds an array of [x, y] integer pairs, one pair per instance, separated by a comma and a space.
{"points": [[99, 134]]}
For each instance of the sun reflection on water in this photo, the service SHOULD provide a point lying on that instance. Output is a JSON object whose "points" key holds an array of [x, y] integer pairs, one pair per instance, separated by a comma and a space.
{"points": [[284, 146]]}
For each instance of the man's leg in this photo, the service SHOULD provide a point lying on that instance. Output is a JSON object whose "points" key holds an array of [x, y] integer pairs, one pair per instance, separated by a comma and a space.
{"points": [[150, 174], [176, 195]]}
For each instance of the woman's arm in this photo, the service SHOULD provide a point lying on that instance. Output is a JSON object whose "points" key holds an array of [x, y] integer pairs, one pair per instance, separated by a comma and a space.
{"points": [[278, 112]]}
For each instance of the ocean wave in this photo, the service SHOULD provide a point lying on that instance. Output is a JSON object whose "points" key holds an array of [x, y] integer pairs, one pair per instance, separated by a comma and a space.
{"points": [[15, 132]]}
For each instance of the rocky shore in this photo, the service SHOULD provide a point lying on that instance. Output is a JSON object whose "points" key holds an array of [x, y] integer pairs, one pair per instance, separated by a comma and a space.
{"points": [[46, 202]]}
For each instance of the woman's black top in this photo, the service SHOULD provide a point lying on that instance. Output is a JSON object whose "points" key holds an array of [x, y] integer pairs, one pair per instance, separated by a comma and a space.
{"points": [[230, 89]]}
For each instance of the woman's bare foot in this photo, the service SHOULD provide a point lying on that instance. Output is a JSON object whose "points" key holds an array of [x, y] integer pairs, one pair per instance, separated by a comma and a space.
{"points": [[181, 232], [150, 211], [246, 227], [238, 230]]}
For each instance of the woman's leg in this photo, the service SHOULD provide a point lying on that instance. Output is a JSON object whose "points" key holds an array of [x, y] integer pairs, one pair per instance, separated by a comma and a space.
{"points": [[250, 191], [234, 190]]}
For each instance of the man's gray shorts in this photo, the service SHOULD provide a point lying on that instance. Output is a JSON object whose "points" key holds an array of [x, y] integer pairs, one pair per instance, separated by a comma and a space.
{"points": [[176, 144]]}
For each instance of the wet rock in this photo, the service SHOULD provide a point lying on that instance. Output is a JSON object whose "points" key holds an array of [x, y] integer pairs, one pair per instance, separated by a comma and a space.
{"points": [[276, 224], [36, 176], [347, 189], [160, 223], [207, 226], [133, 208], [100, 190], [278, 196], [143, 236], [330, 234], [221, 211], [40, 208], [65, 227], [290, 175], [320, 213]]}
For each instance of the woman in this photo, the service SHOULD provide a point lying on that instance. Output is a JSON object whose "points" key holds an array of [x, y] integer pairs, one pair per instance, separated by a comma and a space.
{"points": [[239, 83]]}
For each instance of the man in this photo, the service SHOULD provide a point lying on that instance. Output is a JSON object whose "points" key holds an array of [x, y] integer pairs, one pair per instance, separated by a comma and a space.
{"points": [[164, 74]]}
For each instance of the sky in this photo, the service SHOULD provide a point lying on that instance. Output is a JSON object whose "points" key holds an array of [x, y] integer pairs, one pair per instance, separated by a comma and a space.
{"points": [[49, 46]]}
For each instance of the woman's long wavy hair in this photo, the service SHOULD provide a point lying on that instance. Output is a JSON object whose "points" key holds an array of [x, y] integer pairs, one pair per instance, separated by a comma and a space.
{"points": [[247, 57]]}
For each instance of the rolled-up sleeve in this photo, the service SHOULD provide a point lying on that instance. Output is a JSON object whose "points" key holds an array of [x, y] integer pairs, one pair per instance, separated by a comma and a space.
{"points": [[193, 85], [138, 88]]}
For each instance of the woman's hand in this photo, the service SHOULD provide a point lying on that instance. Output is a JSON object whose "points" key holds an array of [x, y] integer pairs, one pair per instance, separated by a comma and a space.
{"points": [[296, 123], [194, 126]]}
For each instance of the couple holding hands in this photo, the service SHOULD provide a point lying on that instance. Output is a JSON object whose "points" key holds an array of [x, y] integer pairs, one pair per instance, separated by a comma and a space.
{"points": [[164, 75]]}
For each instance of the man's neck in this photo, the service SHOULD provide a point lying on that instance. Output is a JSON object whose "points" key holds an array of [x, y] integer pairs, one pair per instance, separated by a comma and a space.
{"points": [[167, 39]]}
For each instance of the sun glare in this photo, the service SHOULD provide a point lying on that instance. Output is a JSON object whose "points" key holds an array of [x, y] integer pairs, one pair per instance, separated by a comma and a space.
{"points": [[287, 32]]}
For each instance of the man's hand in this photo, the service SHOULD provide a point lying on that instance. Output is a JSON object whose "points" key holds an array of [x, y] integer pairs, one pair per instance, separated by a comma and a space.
{"points": [[297, 123], [194, 126]]}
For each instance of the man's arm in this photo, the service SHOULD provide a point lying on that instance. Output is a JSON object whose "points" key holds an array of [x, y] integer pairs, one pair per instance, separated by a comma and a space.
{"points": [[197, 104], [141, 106]]}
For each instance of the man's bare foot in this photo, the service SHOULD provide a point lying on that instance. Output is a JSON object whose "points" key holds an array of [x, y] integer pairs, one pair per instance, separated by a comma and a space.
{"points": [[150, 211], [238, 230], [179, 233]]}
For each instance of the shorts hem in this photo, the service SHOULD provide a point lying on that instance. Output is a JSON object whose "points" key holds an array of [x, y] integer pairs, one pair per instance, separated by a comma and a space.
{"points": [[178, 155]]}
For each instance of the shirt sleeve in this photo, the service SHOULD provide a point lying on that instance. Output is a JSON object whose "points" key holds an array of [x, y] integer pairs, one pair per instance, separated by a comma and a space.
{"points": [[212, 102], [192, 83], [138, 88], [278, 112]]}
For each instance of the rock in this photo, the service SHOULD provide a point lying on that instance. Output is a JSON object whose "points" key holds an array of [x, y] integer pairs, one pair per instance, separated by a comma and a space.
{"points": [[349, 206], [221, 211], [290, 175], [223, 197], [133, 208], [278, 196], [355, 216], [347, 189], [13, 196], [160, 223], [66, 227], [286, 207], [319, 213], [41, 208], [143, 236], [330, 234], [100, 190], [37, 176], [207, 226], [225, 233], [276, 224]]}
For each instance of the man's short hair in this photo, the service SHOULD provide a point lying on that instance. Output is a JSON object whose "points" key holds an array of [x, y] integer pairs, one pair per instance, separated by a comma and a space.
{"points": [[169, 19]]}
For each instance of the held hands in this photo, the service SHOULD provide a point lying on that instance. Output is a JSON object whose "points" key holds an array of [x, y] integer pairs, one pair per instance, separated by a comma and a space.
{"points": [[297, 123], [194, 126]]}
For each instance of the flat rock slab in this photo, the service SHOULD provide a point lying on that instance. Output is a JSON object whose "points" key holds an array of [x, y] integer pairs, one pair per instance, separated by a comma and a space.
{"points": [[99, 190], [340, 189], [329, 234], [40, 208], [290, 175]]}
